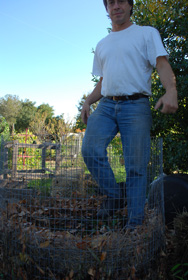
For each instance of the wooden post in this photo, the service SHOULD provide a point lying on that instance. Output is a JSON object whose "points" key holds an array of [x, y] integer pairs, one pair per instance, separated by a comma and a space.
{"points": [[43, 158], [58, 159], [14, 158], [5, 160]]}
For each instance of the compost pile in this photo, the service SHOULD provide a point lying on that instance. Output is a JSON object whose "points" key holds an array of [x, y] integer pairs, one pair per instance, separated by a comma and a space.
{"points": [[56, 238]]}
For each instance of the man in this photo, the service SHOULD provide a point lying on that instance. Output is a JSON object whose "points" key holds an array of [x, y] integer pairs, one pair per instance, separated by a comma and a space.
{"points": [[124, 61]]}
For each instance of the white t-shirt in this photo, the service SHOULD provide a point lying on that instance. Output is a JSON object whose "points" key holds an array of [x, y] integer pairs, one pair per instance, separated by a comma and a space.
{"points": [[125, 59]]}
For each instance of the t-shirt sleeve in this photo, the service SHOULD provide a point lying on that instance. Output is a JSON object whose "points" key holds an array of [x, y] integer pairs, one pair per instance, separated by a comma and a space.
{"points": [[155, 47], [97, 67]]}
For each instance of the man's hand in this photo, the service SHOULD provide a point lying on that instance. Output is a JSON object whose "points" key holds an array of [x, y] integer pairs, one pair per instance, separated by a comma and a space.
{"points": [[92, 98], [169, 102], [85, 112]]}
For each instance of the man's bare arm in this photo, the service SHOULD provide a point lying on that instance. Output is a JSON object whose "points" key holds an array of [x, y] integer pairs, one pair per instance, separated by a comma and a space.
{"points": [[92, 98], [169, 100]]}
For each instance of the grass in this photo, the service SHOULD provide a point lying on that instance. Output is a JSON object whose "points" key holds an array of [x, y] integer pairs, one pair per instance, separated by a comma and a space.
{"points": [[42, 185]]}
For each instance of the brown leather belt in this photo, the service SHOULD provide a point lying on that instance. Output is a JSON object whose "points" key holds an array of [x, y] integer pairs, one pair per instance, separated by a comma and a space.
{"points": [[127, 97]]}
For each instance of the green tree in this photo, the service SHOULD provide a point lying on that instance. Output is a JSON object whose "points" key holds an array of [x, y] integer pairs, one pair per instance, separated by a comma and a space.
{"points": [[10, 107], [47, 109], [170, 18], [26, 115]]}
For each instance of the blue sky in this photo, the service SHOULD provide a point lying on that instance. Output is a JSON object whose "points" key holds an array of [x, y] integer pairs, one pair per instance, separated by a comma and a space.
{"points": [[46, 50]]}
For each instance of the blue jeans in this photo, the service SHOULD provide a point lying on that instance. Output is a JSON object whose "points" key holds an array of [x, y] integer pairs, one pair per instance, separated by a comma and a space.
{"points": [[132, 118]]}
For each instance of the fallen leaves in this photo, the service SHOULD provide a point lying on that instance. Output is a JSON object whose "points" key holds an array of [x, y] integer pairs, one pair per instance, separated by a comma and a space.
{"points": [[71, 274], [73, 236], [91, 272], [99, 242], [103, 256], [44, 244], [83, 245], [12, 208]]}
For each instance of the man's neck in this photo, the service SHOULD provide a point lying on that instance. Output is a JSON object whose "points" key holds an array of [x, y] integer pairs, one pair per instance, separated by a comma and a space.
{"points": [[119, 27]]}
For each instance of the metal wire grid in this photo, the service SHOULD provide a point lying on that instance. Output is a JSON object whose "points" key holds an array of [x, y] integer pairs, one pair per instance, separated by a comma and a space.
{"points": [[52, 228]]}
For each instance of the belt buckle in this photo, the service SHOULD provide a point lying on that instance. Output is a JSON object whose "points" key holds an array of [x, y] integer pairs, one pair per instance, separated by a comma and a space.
{"points": [[115, 98]]}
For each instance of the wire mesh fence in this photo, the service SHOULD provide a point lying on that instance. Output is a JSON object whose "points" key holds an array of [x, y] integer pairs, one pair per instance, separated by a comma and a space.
{"points": [[58, 219]]}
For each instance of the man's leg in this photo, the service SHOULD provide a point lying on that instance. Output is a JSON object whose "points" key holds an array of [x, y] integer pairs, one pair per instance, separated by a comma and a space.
{"points": [[134, 124], [101, 129]]}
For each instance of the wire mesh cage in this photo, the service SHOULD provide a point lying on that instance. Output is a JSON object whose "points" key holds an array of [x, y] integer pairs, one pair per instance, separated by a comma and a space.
{"points": [[58, 220]]}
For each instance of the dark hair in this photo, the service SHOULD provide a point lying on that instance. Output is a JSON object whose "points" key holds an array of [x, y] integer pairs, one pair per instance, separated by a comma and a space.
{"points": [[129, 1]]}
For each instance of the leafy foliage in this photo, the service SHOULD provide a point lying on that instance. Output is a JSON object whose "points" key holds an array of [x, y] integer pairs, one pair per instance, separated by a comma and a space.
{"points": [[170, 18], [40, 120], [4, 129], [49, 129], [10, 107], [25, 115], [57, 127], [179, 269], [47, 109], [38, 127]]}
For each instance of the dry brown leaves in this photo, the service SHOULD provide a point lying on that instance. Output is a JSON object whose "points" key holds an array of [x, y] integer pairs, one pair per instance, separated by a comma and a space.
{"points": [[71, 224]]}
